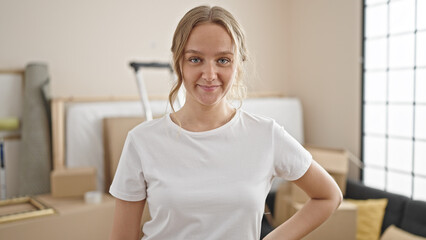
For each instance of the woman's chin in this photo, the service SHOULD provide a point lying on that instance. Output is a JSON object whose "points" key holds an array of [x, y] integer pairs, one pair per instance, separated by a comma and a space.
{"points": [[210, 100]]}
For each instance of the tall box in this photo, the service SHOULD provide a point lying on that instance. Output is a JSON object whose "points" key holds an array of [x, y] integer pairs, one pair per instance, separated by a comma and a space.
{"points": [[334, 161], [282, 205]]}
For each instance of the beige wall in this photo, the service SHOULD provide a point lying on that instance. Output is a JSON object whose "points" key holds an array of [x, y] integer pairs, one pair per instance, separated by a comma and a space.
{"points": [[88, 44], [325, 70], [307, 49]]}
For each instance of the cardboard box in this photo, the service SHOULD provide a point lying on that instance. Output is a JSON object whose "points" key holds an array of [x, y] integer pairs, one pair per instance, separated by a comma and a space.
{"points": [[282, 204], [72, 182], [341, 225], [115, 130], [334, 161], [74, 219]]}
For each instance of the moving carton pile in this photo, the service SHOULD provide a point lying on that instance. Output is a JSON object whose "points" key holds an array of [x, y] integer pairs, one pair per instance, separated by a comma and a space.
{"points": [[290, 198]]}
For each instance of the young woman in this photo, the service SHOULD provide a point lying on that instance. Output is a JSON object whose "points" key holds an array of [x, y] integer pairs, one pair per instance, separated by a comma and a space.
{"points": [[206, 169]]}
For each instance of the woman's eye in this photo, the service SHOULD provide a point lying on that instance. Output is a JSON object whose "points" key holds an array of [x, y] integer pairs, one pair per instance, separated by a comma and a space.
{"points": [[194, 60], [223, 61]]}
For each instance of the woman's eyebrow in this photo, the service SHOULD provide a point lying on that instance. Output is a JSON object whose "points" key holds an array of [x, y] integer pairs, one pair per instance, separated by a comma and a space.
{"points": [[218, 53], [225, 53], [192, 51]]}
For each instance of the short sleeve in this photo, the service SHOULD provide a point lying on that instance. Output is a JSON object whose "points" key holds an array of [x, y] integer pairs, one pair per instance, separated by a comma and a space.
{"points": [[291, 159], [129, 181]]}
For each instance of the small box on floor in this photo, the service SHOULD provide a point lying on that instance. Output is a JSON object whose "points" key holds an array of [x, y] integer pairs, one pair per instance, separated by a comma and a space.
{"points": [[72, 182]]}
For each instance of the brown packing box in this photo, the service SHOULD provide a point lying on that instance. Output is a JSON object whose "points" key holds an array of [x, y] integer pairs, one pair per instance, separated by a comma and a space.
{"points": [[282, 205], [115, 131], [334, 161], [341, 225], [72, 182], [74, 219]]}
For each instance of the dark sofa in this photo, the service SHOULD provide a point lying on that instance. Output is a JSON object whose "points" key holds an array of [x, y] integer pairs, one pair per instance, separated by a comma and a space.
{"points": [[401, 211]]}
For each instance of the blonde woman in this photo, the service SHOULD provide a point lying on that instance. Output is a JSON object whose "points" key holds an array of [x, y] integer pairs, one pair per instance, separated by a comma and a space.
{"points": [[206, 169]]}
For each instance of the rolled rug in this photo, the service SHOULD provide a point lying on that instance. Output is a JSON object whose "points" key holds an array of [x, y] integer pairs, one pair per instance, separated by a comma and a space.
{"points": [[35, 153]]}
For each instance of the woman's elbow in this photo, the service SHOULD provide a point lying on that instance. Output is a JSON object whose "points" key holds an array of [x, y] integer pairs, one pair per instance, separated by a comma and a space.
{"points": [[337, 197]]}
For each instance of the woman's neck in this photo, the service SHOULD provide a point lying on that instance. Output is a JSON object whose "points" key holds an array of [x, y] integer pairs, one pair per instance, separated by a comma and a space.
{"points": [[199, 118]]}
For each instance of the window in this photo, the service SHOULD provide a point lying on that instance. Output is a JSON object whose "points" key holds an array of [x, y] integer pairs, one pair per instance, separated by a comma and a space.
{"points": [[394, 96]]}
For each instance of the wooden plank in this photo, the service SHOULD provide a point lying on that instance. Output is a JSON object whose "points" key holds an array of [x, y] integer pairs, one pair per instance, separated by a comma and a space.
{"points": [[12, 137], [58, 133], [12, 71], [107, 98]]}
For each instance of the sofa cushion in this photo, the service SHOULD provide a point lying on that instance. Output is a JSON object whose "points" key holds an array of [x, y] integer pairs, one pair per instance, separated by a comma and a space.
{"points": [[414, 218], [394, 233], [394, 209], [369, 217]]}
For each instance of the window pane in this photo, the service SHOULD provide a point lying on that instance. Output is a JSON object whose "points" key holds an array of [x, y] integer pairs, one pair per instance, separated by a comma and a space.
{"points": [[421, 49], [374, 178], [370, 2], [399, 183], [374, 151], [420, 158], [420, 122], [375, 87], [400, 120], [421, 85], [400, 154], [375, 54], [421, 17], [376, 21], [375, 118], [419, 188], [401, 88], [401, 16], [401, 51]]}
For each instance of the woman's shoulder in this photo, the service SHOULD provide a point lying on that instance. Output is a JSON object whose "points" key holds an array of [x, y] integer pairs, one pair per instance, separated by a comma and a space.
{"points": [[256, 118], [147, 127]]}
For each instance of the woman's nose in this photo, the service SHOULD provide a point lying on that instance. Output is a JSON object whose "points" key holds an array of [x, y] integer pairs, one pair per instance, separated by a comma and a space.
{"points": [[209, 72]]}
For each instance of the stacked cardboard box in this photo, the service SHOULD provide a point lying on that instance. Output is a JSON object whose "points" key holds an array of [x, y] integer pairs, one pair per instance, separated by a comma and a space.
{"points": [[72, 182], [290, 198], [335, 161], [341, 225]]}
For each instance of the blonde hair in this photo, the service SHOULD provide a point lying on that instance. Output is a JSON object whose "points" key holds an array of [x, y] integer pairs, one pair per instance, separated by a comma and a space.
{"points": [[220, 16]]}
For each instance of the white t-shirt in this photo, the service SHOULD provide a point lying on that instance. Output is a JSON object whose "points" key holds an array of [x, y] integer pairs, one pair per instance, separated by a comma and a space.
{"points": [[206, 185]]}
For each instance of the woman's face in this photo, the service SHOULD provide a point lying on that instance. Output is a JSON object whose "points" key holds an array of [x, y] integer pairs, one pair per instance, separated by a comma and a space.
{"points": [[208, 65]]}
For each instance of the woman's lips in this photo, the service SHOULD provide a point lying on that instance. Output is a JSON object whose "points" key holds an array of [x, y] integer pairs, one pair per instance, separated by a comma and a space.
{"points": [[208, 88]]}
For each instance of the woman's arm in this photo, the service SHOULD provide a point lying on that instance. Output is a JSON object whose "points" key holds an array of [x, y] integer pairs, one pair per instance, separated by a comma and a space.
{"points": [[325, 198], [127, 220]]}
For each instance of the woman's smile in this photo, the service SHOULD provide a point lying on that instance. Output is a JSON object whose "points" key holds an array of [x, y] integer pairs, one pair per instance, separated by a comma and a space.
{"points": [[208, 88]]}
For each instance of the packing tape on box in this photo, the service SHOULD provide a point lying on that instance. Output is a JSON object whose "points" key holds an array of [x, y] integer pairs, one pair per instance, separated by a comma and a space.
{"points": [[93, 197], [9, 124]]}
